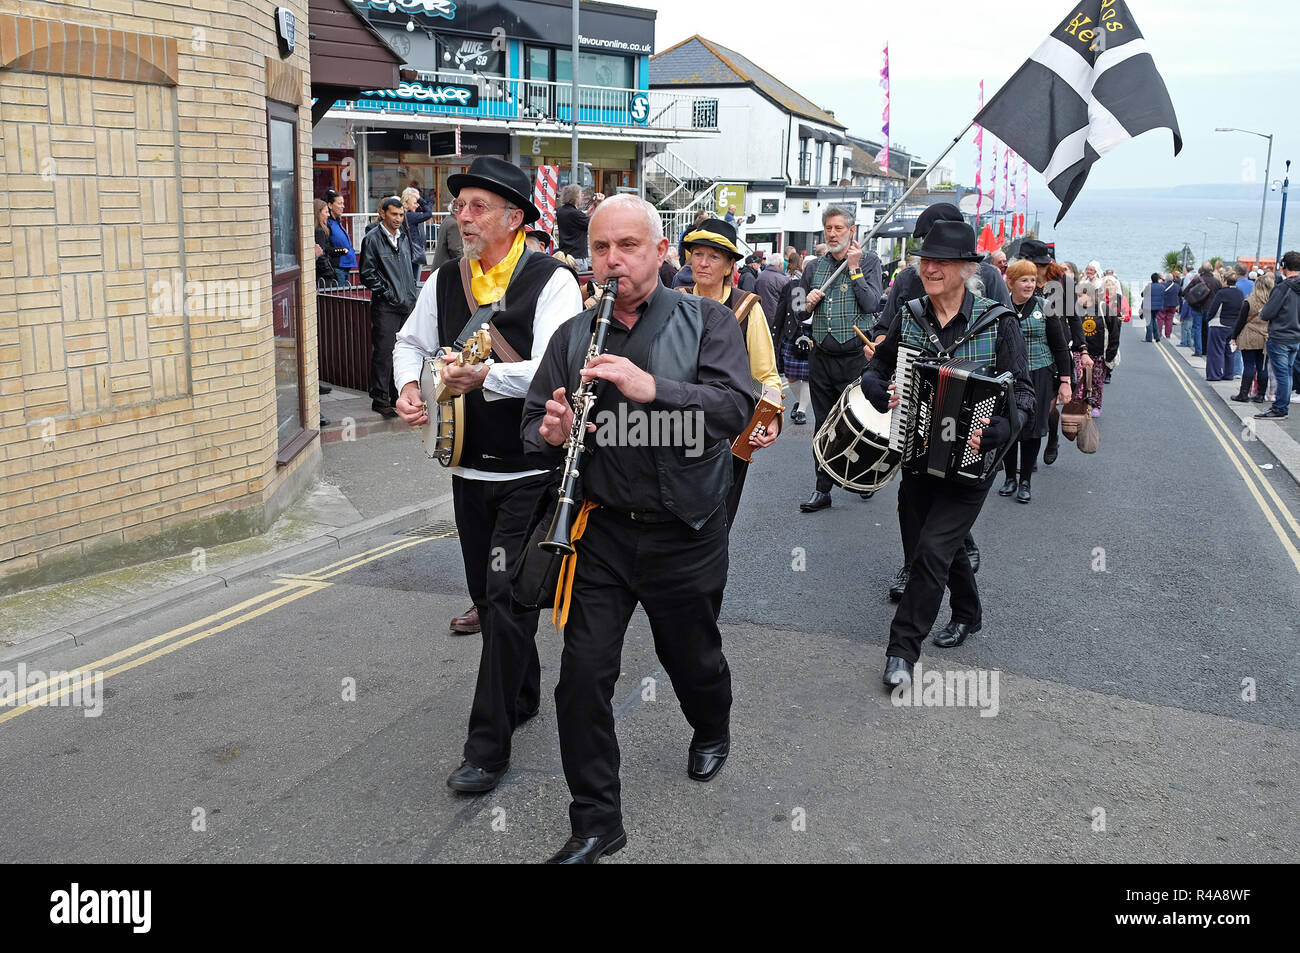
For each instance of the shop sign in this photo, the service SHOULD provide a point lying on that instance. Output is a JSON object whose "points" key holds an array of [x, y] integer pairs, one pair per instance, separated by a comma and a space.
{"points": [[433, 8], [441, 94]]}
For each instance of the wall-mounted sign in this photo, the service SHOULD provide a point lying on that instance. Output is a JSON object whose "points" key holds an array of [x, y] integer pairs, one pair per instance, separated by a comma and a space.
{"points": [[442, 94], [640, 108], [726, 197], [470, 55], [433, 8], [286, 27], [771, 206], [438, 143]]}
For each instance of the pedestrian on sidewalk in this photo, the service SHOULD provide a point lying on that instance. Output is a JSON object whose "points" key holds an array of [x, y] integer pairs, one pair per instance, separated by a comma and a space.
{"points": [[1282, 315], [1251, 335], [448, 246], [1222, 314], [385, 268], [417, 211], [1101, 333], [1198, 294], [339, 236]]}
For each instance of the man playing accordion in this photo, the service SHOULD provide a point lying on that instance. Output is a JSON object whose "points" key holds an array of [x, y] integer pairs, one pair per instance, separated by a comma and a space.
{"points": [[935, 514]]}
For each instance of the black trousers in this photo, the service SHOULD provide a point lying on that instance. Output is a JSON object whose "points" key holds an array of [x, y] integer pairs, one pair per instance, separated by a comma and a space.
{"points": [[677, 575], [384, 324], [936, 516], [492, 519], [828, 376]]}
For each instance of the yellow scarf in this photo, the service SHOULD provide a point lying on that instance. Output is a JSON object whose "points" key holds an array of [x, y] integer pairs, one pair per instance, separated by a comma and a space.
{"points": [[491, 286]]}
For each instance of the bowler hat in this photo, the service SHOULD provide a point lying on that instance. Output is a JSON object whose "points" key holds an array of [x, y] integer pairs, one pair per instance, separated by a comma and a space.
{"points": [[541, 235], [500, 177], [1035, 252], [938, 212], [953, 241], [715, 233]]}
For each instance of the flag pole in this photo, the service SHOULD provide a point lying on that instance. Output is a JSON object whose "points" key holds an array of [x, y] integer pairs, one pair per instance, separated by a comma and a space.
{"points": [[884, 219]]}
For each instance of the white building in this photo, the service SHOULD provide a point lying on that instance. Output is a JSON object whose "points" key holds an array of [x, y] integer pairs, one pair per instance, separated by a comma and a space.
{"points": [[780, 158]]}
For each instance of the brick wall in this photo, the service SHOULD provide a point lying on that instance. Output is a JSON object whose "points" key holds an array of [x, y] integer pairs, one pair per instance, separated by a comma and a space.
{"points": [[137, 362]]}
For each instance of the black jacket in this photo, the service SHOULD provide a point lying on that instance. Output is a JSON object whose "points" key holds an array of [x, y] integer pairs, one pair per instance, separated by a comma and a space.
{"points": [[413, 227], [1282, 312], [1225, 307], [571, 228], [386, 271]]}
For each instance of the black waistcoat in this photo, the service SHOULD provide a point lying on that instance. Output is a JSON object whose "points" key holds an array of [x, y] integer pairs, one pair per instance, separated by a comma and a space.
{"points": [[492, 439]]}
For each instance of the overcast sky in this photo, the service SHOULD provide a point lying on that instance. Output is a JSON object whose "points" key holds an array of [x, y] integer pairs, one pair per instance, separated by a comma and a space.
{"points": [[1222, 63]]}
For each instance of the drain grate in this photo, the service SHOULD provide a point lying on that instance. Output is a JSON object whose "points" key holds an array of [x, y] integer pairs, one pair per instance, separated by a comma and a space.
{"points": [[444, 528]]}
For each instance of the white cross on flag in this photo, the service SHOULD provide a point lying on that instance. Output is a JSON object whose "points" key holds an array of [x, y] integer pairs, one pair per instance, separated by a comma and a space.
{"points": [[1090, 86]]}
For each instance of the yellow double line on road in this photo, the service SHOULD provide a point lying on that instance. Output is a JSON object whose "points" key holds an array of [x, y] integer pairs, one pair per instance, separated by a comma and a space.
{"points": [[1282, 519], [288, 589]]}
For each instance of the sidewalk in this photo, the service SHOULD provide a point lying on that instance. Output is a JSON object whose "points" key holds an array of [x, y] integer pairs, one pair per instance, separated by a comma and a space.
{"points": [[1279, 437], [365, 486]]}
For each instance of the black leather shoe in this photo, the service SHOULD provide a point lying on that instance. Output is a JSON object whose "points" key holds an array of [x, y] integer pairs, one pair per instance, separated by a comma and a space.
{"points": [[1008, 487], [897, 672], [818, 501], [973, 554], [1023, 495], [706, 760], [523, 716], [798, 417], [1049, 455], [954, 633], [900, 584], [589, 850], [471, 779]]}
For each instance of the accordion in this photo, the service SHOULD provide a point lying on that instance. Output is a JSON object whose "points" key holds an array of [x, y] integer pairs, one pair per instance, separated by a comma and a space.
{"points": [[947, 401]]}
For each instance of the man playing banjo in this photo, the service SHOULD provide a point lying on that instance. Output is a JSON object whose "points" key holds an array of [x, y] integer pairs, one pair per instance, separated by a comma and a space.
{"points": [[495, 491]]}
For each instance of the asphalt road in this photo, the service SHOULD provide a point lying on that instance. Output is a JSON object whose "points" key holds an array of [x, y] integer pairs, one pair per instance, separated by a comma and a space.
{"points": [[1121, 732]]}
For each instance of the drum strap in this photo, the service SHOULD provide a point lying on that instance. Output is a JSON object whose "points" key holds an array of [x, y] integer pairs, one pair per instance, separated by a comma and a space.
{"points": [[743, 306]]}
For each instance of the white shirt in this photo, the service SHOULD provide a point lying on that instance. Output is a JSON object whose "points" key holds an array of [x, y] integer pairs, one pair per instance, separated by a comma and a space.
{"points": [[559, 300], [391, 236]]}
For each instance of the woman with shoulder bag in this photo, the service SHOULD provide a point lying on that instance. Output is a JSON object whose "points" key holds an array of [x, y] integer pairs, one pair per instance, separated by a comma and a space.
{"points": [[416, 211]]}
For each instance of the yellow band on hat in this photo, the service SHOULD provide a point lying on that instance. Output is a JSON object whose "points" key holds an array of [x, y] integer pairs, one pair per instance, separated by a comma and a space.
{"points": [[702, 236]]}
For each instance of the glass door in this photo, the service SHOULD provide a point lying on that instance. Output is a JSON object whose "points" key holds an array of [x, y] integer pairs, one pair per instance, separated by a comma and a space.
{"points": [[286, 280]]}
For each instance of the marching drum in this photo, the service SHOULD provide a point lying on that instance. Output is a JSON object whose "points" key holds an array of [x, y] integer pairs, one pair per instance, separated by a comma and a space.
{"points": [[852, 446]]}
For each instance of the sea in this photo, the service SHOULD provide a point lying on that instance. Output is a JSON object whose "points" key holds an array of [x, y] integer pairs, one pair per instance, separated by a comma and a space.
{"points": [[1131, 230]]}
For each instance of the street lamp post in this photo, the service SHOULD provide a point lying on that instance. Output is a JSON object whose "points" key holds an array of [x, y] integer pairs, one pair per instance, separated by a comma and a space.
{"points": [[1228, 221], [1205, 242], [1286, 182], [1263, 204]]}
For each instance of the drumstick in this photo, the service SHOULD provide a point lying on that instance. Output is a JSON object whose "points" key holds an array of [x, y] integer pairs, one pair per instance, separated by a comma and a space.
{"points": [[865, 340]]}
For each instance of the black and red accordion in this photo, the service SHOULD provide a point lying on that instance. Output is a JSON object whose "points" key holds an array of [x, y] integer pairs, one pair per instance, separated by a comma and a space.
{"points": [[948, 401]]}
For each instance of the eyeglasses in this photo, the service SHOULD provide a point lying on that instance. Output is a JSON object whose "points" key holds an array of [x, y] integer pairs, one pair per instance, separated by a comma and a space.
{"points": [[476, 208]]}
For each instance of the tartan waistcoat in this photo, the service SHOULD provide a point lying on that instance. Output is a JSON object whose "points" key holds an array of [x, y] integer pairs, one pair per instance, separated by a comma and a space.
{"points": [[837, 314], [982, 347], [1034, 328]]}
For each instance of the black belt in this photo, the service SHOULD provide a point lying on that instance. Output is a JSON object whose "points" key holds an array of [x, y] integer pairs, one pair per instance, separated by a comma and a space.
{"points": [[645, 516]]}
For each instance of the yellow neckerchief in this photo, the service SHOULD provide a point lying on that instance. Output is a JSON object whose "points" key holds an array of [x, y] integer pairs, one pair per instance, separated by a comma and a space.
{"points": [[491, 286]]}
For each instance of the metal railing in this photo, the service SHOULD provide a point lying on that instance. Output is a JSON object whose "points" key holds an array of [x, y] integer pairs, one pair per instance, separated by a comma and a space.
{"points": [[453, 94]]}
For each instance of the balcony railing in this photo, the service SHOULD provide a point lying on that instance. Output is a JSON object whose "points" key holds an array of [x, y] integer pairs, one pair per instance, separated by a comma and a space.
{"points": [[453, 95]]}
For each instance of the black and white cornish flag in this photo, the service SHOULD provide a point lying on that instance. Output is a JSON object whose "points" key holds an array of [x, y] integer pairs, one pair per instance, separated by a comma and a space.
{"points": [[1090, 86]]}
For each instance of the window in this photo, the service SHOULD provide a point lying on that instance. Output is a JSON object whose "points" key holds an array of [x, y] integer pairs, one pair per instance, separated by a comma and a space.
{"points": [[817, 169], [539, 94], [804, 158], [284, 200], [612, 73], [286, 280], [704, 114]]}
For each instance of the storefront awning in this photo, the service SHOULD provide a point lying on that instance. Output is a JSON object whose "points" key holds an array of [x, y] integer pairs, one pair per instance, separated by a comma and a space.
{"points": [[347, 55]]}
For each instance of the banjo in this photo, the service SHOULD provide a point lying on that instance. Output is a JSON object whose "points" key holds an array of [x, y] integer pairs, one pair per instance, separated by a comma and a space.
{"points": [[444, 434]]}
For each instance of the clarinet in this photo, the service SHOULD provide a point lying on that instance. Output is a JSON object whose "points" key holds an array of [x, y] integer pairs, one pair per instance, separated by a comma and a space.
{"points": [[558, 539]]}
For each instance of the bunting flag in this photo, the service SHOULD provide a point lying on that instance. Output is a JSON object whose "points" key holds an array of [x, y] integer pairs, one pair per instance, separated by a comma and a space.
{"points": [[1024, 193], [1008, 200], [882, 159], [1002, 232], [993, 180], [1090, 86], [979, 162], [986, 242]]}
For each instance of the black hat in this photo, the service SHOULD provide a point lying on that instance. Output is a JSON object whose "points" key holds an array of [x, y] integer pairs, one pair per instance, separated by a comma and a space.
{"points": [[715, 233], [500, 177], [540, 234], [953, 241], [1035, 252], [938, 212]]}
